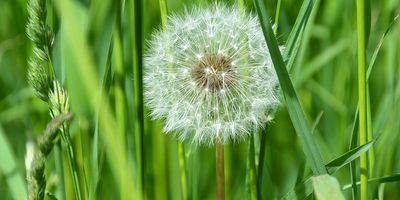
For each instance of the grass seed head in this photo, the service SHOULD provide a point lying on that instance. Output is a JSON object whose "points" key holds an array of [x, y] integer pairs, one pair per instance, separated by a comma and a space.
{"points": [[58, 100], [38, 78]]}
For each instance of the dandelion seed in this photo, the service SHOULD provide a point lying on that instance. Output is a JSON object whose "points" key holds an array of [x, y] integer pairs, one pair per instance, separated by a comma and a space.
{"points": [[218, 83]]}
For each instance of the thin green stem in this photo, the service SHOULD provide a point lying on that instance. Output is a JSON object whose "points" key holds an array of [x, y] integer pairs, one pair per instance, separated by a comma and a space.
{"points": [[252, 170], [135, 15], [60, 171], [120, 103], [96, 145], [163, 12], [362, 96], [182, 167], [220, 176], [71, 161], [371, 151], [261, 158], [277, 13]]}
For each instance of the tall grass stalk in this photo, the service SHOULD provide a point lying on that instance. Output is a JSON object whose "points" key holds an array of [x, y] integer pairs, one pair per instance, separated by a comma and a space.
{"points": [[277, 13], [362, 96], [71, 161], [251, 173], [120, 104], [261, 158], [60, 172], [135, 16], [182, 168]]}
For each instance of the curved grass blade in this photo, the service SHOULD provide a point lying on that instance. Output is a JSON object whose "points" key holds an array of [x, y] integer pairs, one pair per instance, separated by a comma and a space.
{"points": [[296, 113], [384, 179], [304, 189], [294, 40], [379, 45], [353, 144], [346, 158]]}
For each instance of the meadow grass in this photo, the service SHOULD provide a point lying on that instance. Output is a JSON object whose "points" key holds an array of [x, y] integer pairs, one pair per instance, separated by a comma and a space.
{"points": [[337, 127]]}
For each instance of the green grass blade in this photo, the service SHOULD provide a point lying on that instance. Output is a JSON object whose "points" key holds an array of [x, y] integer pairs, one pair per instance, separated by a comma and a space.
{"points": [[296, 113], [9, 167], [353, 144], [96, 143], [305, 188], [261, 160], [379, 180], [294, 40], [135, 26], [119, 76], [362, 22], [347, 157], [251, 174], [277, 14], [304, 42], [379, 45], [84, 72], [385, 179]]}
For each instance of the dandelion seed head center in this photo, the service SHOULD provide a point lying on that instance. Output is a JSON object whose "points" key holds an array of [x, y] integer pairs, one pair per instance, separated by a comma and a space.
{"points": [[213, 72]]}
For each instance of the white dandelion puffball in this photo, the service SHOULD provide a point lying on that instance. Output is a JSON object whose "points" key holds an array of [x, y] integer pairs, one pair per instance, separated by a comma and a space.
{"points": [[209, 74]]}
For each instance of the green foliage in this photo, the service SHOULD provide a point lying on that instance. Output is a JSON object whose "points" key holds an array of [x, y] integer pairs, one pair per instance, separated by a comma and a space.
{"points": [[95, 49]]}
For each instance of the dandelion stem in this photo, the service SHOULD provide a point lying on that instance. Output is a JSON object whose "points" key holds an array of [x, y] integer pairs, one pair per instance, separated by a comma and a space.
{"points": [[219, 164], [182, 166], [362, 96]]}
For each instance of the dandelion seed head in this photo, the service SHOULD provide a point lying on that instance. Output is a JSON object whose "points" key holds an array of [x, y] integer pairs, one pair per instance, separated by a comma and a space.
{"points": [[210, 76]]}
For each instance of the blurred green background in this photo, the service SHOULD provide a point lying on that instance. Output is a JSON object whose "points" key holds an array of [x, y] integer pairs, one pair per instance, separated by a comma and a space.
{"points": [[324, 75]]}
